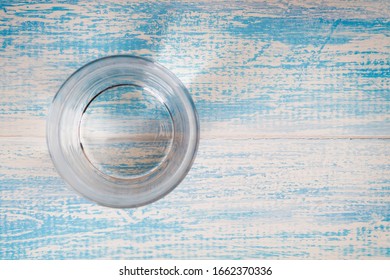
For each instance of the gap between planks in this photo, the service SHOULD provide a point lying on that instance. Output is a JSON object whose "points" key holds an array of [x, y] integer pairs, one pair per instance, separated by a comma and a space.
{"points": [[251, 137]]}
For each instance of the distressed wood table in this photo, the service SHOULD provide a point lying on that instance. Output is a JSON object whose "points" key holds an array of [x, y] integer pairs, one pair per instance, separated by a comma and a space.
{"points": [[294, 106]]}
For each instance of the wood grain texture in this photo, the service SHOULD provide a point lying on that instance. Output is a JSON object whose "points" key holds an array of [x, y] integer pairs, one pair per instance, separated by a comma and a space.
{"points": [[294, 105]]}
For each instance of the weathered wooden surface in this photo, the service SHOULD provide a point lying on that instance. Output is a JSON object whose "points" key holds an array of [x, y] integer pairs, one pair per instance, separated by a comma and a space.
{"points": [[294, 104]]}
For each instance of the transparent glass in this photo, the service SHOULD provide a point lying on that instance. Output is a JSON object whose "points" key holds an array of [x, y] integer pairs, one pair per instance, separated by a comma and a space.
{"points": [[123, 131]]}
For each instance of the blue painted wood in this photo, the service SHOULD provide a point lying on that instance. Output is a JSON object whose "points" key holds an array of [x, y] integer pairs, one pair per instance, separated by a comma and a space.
{"points": [[293, 100]]}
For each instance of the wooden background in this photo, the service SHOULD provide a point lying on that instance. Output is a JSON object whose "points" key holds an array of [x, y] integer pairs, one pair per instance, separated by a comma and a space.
{"points": [[294, 106]]}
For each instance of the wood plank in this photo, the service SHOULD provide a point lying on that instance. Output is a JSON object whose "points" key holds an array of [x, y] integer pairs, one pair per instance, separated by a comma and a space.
{"points": [[258, 69], [294, 105], [286, 198]]}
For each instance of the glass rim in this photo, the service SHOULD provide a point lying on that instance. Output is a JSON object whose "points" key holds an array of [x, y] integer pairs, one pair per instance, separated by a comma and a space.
{"points": [[66, 112]]}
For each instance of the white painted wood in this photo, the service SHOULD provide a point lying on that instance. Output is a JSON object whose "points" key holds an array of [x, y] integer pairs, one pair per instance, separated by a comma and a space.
{"points": [[293, 100]]}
